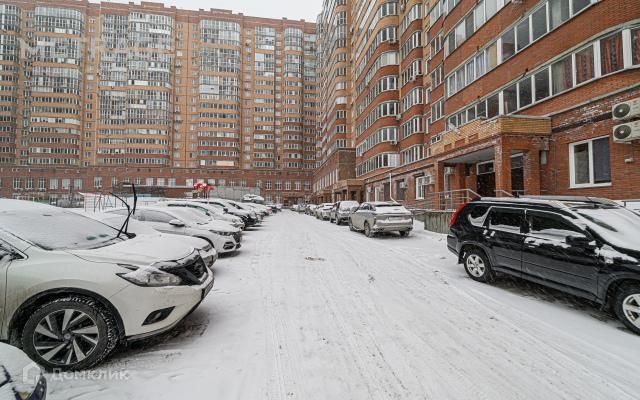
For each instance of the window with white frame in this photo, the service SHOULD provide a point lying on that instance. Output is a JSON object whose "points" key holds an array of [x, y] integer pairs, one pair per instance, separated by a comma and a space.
{"points": [[421, 182], [590, 163]]}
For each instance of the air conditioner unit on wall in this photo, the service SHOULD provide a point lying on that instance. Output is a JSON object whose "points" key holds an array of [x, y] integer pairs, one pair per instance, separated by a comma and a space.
{"points": [[626, 110], [626, 133]]}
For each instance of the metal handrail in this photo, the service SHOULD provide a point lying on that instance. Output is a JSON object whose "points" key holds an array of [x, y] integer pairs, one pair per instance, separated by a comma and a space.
{"points": [[446, 200], [503, 192]]}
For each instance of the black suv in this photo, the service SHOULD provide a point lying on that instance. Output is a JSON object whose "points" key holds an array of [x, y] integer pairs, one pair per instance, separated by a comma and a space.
{"points": [[584, 246]]}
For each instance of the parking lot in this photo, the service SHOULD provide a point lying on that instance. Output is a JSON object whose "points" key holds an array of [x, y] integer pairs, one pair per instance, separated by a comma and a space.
{"points": [[310, 310]]}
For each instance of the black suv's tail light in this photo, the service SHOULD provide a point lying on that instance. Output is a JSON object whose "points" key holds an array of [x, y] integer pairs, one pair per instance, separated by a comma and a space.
{"points": [[455, 214]]}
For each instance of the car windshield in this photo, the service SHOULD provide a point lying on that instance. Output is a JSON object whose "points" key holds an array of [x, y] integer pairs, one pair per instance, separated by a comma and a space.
{"points": [[346, 205], [619, 226], [191, 215], [58, 230], [116, 221]]}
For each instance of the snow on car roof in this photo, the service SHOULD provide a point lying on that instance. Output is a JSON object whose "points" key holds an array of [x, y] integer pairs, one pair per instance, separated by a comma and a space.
{"points": [[385, 203], [22, 205]]}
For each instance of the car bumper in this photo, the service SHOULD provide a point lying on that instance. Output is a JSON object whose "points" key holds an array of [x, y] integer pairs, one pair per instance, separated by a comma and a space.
{"points": [[229, 247], [452, 244], [135, 304], [392, 226]]}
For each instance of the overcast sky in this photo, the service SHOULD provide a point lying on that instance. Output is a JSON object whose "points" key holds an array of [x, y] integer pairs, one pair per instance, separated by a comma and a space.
{"points": [[292, 9]]}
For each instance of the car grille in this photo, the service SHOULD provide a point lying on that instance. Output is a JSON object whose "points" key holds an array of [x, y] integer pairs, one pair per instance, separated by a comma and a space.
{"points": [[192, 270], [197, 268], [238, 237]]}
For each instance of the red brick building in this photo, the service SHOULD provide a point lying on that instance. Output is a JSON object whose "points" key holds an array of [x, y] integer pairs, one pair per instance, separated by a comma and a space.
{"points": [[517, 98], [149, 91]]}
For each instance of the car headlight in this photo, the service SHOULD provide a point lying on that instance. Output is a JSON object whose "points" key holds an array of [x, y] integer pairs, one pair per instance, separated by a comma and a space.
{"points": [[221, 233], [149, 277]]}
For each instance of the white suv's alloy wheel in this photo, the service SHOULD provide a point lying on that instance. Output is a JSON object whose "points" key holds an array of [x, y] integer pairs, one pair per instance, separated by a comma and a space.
{"points": [[475, 265], [66, 337]]}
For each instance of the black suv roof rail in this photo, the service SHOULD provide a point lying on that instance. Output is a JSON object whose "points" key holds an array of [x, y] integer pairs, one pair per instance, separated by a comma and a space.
{"points": [[551, 200]]}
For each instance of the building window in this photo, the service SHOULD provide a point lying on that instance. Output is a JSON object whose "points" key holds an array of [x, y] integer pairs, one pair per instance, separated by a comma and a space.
{"points": [[524, 92], [562, 75], [590, 163], [584, 65], [542, 84], [539, 22], [421, 182], [510, 97], [508, 45], [635, 46], [611, 53], [559, 12]]}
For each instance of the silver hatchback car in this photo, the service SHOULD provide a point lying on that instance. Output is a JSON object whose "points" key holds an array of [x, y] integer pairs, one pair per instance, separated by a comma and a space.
{"points": [[376, 217]]}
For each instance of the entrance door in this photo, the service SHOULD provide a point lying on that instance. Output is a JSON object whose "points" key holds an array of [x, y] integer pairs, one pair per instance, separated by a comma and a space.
{"points": [[386, 188], [486, 179]]}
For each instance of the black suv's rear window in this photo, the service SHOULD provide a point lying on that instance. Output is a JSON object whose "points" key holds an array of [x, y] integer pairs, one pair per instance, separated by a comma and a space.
{"points": [[477, 214]]}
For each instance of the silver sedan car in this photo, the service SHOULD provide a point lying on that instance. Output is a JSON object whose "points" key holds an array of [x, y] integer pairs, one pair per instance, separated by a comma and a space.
{"points": [[375, 217]]}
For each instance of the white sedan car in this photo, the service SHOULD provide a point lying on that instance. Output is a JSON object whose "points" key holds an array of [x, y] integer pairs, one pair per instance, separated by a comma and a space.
{"points": [[183, 221], [208, 212], [73, 288], [214, 211]]}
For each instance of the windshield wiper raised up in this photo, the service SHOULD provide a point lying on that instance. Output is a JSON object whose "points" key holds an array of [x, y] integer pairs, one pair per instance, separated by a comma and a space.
{"points": [[125, 226]]}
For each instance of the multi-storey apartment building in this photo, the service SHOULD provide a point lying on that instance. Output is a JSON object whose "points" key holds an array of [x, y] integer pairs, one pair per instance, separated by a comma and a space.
{"points": [[336, 145], [495, 97], [124, 90]]}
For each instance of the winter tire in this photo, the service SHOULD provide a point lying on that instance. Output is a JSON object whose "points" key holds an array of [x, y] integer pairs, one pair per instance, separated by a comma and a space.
{"points": [[367, 230], [627, 306], [477, 265], [404, 233], [351, 227], [71, 333]]}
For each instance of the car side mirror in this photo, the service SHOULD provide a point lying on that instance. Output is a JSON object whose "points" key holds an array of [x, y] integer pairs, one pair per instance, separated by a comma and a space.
{"points": [[5, 255], [176, 223], [226, 209], [580, 241], [8, 255]]}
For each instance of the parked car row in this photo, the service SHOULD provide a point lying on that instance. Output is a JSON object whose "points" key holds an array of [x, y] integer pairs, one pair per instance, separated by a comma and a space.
{"points": [[371, 218], [587, 247], [82, 284]]}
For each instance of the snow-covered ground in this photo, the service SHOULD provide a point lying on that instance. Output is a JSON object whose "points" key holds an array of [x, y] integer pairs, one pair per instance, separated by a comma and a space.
{"points": [[309, 310]]}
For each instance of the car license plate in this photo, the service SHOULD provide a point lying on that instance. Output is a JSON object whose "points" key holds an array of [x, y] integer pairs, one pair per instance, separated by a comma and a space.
{"points": [[206, 290]]}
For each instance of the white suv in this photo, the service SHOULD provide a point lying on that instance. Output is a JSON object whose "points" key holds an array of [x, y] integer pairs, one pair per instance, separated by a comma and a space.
{"points": [[72, 288]]}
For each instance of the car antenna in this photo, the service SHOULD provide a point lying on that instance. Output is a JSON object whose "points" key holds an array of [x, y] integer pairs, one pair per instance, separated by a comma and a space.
{"points": [[125, 226]]}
